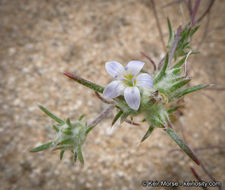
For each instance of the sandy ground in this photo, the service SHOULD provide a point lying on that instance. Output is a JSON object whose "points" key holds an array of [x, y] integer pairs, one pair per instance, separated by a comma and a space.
{"points": [[42, 39]]}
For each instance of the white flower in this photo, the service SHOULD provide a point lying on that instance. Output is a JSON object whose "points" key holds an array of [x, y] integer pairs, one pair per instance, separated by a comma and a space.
{"points": [[127, 82]]}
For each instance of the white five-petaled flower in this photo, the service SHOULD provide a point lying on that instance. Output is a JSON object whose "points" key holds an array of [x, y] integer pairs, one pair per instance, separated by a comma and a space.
{"points": [[127, 82]]}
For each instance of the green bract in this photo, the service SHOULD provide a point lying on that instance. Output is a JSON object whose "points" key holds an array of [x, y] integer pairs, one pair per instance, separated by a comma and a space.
{"points": [[69, 136]]}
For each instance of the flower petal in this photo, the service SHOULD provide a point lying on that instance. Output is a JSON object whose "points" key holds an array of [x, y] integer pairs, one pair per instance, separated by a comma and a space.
{"points": [[132, 97], [134, 67], [114, 68], [144, 80], [113, 89]]}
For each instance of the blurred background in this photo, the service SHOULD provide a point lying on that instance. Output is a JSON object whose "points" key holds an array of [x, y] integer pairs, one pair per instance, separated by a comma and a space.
{"points": [[41, 39]]}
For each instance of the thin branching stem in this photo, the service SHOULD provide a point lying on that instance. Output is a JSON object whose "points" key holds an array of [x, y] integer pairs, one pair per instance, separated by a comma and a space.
{"points": [[103, 99], [132, 122], [194, 12], [205, 31], [207, 172], [189, 6], [161, 61], [112, 102], [195, 174], [206, 11], [150, 59], [158, 24], [101, 116]]}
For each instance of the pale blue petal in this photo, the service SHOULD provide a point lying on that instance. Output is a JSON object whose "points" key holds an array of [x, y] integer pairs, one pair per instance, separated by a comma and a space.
{"points": [[132, 97], [134, 67], [114, 68], [144, 80], [113, 89]]}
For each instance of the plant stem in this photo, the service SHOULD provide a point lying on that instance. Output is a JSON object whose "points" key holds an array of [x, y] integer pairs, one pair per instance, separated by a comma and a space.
{"points": [[132, 122], [206, 11], [194, 12], [103, 99], [158, 25], [208, 174], [150, 59], [197, 176], [101, 116]]}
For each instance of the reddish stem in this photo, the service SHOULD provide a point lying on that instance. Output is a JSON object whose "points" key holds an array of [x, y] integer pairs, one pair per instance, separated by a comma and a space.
{"points": [[103, 99], [206, 11], [197, 176], [158, 24], [194, 12], [150, 59], [132, 122]]}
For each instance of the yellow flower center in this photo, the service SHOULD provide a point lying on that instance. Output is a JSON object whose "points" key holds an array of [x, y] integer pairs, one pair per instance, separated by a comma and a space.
{"points": [[129, 80]]}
